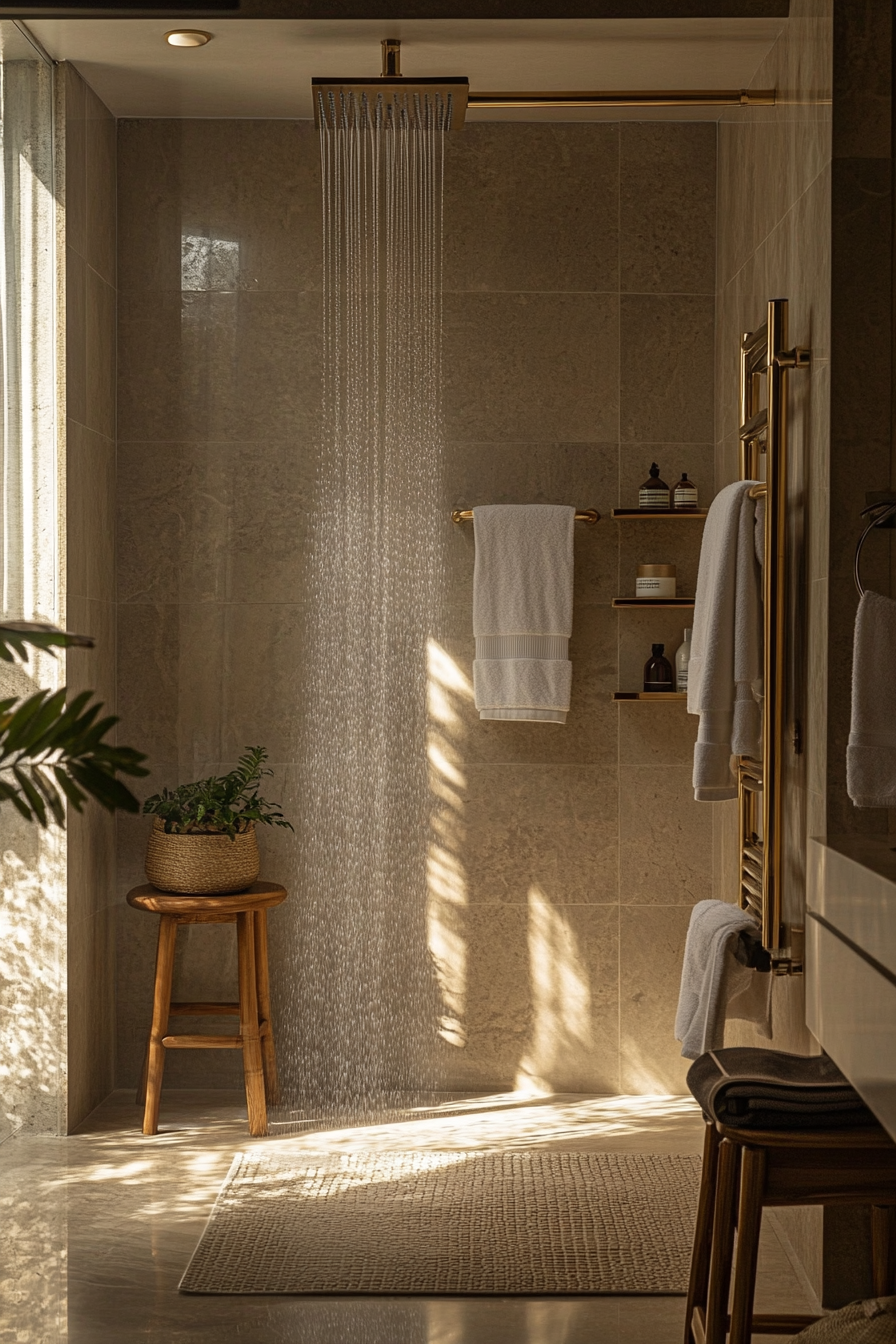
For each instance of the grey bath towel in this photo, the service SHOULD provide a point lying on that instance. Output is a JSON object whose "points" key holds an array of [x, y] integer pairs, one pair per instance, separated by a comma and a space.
{"points": [[522, 611], [752, 1088], [725, 671], [715, 985], [871, 750]]}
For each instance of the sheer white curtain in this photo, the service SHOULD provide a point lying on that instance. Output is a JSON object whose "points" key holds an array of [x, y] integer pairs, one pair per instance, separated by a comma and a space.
{"points": [[33, 1016], [29, 558]]}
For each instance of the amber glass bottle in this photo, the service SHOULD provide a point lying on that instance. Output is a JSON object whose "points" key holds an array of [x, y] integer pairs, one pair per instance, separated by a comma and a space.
{"points": [[684, 494], [658, 671], [654, 493]]}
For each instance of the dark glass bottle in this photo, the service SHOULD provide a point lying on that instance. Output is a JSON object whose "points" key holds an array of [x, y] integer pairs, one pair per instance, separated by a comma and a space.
{"points": [[658, 671], [654, 493], [684, 494]]}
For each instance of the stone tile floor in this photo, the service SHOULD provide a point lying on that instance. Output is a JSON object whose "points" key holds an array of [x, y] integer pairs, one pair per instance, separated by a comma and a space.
{"points": [[96, 1229]]}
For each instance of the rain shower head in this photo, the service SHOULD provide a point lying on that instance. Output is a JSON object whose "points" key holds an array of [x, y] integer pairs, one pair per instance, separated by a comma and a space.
{"points": [[391, 99]]}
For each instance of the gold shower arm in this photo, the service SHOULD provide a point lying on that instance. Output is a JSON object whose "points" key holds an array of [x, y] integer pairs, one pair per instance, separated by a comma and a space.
{"points": [[589, 516]]}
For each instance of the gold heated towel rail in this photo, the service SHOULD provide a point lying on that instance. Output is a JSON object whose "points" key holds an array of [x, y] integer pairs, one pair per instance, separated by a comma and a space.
{"points": [[760, 784]]}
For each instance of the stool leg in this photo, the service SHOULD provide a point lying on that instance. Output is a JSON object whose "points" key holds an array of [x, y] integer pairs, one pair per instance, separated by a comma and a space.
{"points": [[722, 1243], [749, 1220], [252, 1065], [161, 1003], [883, 1244], [699, 1281], [268, 1054]]}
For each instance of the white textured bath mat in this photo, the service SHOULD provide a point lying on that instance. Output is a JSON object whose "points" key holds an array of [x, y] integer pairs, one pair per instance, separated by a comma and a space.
{"points": [[450, 1222]]}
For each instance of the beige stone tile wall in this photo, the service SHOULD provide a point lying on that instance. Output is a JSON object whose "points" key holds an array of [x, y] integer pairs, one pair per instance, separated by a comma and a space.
{"points": [[578, 345], [775, 242], [87, 140]]}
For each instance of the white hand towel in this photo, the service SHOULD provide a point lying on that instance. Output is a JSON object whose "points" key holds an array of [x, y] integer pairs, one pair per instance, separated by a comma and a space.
{"points": [[871, 749], [522, 611], [714, 984], [725, 670]]}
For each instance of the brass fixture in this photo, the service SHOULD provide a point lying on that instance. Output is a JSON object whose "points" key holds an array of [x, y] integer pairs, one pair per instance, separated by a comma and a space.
{"points": [[589, 516], [187, 37], [391, 99], [648, 98], [391, 58], [760, 784]]}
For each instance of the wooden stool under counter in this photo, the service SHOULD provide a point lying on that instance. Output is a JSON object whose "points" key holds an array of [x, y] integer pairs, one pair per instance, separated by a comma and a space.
{"points": [[248, 910], [745, 1171]]}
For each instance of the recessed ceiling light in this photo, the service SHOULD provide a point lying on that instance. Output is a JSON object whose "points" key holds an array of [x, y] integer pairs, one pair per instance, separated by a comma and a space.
{"points": [[187, 37]]}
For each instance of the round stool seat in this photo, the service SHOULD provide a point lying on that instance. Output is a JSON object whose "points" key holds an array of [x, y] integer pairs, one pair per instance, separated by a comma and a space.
{"points": [[248, 911], [260, 896]]}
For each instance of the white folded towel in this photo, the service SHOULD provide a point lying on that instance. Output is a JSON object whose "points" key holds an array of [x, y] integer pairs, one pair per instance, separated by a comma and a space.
{"points": [[715, 986], [871, 749], [725, 669], [522, 611]]}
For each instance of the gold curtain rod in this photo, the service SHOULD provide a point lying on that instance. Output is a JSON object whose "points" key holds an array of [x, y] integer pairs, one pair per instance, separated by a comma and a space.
{"points": [[589, 516], [644, 98]]}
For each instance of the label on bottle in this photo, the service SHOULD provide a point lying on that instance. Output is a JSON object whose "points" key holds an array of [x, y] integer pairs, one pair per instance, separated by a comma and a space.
{"points": [[685, 497], [681, 678], [653, 499]]}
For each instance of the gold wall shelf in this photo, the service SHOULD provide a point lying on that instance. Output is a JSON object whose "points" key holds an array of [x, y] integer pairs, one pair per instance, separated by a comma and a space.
{"points": [[650, 695], [681, 514], [629, 602]]}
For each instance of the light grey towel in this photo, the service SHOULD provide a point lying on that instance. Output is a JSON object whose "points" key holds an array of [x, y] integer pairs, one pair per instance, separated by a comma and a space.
{"points": [[871, 749], [725, 670], [522, 611], [714, 984]]}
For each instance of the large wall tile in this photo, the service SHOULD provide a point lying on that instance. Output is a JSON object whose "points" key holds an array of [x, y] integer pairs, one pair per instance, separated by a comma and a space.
{"points": [[666, 373], [660, 734], [665, 837], [530, 366], [99, 161], [532, 207], [90, 513], [650, 955], [667, 238], [541, 997], [219, 366], [99, 340], [635, 461], [252, 187]]}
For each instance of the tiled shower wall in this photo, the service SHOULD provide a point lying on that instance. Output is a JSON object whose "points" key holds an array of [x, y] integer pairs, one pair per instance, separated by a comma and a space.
{"points": [[579, 306], [87, 136]]}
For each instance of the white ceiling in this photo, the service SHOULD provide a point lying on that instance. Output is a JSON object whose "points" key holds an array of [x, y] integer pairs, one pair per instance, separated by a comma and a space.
{"points": [[263, 67]]}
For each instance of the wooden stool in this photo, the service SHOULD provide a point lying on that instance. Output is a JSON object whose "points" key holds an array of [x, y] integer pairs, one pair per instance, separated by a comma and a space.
{"points": [[745, 1171], [248, 910]]}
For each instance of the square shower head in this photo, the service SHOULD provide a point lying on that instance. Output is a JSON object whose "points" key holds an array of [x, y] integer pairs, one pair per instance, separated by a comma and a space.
{"points": [[340, 103]]}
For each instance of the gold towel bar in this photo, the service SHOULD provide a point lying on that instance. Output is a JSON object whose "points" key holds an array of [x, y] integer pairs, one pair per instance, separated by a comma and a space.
{"points": [[589, 516]]}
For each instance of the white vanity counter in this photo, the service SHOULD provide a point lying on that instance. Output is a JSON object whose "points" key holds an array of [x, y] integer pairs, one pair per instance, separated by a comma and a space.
{"points": [[851, 962]]}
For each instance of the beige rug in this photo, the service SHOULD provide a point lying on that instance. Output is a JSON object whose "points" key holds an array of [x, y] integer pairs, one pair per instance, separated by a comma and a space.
{"points": [[450, 1222]]}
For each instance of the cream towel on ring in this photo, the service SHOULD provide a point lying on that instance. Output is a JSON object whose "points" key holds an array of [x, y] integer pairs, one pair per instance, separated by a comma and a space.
{"points": [[871, 749], [522, 611]]}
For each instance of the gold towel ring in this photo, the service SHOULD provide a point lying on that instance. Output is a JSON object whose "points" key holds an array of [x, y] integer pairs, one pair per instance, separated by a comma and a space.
{"points": [[881, 515]]}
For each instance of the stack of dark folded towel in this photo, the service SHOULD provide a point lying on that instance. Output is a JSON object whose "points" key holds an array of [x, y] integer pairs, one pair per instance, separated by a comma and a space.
{"points": [[750, 1088]]}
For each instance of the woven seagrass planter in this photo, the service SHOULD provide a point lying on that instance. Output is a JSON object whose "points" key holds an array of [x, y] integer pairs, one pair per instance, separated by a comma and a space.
{"points": [[200, 865]]}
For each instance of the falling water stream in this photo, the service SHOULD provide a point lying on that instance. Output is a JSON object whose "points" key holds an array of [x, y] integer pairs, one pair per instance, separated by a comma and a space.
{"points": [[359, 1027]]}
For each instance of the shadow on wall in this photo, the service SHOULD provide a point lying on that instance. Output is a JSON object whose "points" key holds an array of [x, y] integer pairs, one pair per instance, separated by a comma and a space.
{"points": [[531, 999]]}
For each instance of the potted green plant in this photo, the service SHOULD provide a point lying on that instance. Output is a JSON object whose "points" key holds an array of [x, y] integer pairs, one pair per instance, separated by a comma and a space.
{"points": [[203, 838]]}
